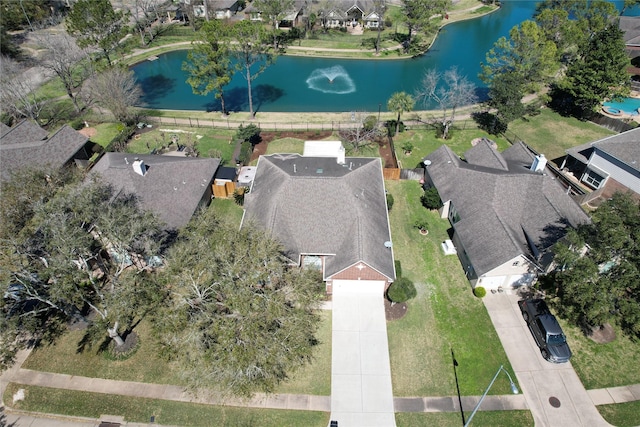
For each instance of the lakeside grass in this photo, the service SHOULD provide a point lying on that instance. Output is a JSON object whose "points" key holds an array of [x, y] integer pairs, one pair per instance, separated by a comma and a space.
{"points": [[140, 410]]}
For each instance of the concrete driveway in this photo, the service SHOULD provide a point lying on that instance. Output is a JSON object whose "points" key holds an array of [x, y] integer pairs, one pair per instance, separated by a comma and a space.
{"points": [[361, 392], [554, 393]]}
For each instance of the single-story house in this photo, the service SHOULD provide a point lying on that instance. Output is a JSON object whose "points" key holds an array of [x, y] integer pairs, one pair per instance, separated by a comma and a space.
{"points": [[607, 165], [174, 188], [27, 145], [329, 213], [506, 211]]}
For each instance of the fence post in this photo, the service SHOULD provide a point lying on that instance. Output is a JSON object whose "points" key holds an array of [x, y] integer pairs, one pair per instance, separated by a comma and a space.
{"points": [[197, 122], [175, 121]]}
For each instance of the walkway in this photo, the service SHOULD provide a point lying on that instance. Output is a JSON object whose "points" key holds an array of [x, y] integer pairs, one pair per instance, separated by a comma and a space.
{"points": [[553, 392], [361, 392]]}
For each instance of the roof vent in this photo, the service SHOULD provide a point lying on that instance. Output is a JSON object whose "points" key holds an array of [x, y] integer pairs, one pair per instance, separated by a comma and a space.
{"points": [[139, 167], [539, 163]]}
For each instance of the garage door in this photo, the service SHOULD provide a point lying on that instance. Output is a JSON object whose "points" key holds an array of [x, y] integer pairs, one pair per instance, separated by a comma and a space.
{"points": [[491, 282], [359, 287]]}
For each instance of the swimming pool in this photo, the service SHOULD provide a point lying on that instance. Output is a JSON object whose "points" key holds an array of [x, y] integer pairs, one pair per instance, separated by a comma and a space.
{"points": [[627, 106]]}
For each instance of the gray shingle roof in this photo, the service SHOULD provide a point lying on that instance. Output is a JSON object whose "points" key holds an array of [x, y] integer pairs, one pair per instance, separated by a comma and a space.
{"points": [[173, 187], [630, 25], [624, 146], [17, 151], [316, 206], [500, 208]]}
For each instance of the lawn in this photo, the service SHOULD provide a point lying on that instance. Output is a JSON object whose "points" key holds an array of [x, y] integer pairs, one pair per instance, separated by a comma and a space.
{"points": [[140, 410], [425, 141], [551, 134], [621, 414], [451, 419], [444, 316], [105, 133]]}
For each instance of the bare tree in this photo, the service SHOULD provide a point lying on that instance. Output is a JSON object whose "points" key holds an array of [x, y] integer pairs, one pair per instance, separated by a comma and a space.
{"points": [[17, 91], [362, 134], [68, 61], [449, 91], [147, 16], [116, 90]]}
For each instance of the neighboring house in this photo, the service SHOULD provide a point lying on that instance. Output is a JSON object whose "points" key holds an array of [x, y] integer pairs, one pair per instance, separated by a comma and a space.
{"points": [[225, 9], [172, 187], [27, 145], [630, 25], [350, 12], [329, 213], [506, 211], [292, 18], [607, 165]]}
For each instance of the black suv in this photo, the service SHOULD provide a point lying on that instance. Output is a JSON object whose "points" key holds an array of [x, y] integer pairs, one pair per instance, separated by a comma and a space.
{"points": [[545, 330]]}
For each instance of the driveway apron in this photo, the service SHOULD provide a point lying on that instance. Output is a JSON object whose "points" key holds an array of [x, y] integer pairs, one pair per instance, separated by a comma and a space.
{"points": [[361, 393], [554, 393]]}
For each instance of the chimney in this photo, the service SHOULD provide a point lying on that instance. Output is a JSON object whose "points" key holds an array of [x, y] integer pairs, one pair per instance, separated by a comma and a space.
{"points": [[341, 155], [139, 167], [539, 163]]}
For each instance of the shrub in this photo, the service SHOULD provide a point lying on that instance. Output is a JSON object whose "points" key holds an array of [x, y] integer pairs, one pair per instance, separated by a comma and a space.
{"points": [[77, 123], [407, 146], [245, 153], [479, 291], [391, 127], [238, 195], [401, 290], [398, 268], [431, 199], [389, 201], [249, 133], [370, 123], [421, 224]]}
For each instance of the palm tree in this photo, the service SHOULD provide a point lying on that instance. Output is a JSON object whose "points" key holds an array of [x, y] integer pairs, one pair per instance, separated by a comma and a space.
{"points": [[400, 102]]}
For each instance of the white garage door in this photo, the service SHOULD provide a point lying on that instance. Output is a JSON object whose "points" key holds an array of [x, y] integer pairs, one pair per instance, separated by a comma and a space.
{"points": [[491, 282], [358, 287]]}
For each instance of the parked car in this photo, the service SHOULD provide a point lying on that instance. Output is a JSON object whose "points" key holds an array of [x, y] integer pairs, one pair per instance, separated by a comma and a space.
{"points": [[546, 330]]}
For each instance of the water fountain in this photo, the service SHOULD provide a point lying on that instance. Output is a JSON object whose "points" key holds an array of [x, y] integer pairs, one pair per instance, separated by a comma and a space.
{"points": [[333, 79]]}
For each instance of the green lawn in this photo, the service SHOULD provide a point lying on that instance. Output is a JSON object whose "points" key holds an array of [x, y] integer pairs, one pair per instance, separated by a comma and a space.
{"points": [[140, 410], [621, 414], [551, 134], [106, 133], [453, 419], [424, 142], [444, 315]]}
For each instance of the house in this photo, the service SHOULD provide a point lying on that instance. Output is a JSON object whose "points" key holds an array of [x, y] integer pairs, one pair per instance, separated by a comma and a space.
{"points": [[607, 165], [174, 188], [225, 9], [27, 145], [351, 12], [290, 19], [328, 214], [506, 211], [630, 26]]}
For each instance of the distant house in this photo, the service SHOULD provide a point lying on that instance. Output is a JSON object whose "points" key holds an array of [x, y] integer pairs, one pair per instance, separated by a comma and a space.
{"points": [[171, 187], [630, 26], [328, 214], [607, 165], [290, 19], [505, 209], [350, 12], [225, 9], [27, 146]]}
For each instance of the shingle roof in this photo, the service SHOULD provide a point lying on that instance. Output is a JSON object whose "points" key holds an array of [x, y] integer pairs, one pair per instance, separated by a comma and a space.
{"points": [[624, 146], [17, 151], [172, 187], [501, 209], [630, 25], [316, 206]]}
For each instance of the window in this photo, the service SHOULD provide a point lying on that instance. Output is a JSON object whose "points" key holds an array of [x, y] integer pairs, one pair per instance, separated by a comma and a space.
{"points": [[592, 178], [453, 214]]}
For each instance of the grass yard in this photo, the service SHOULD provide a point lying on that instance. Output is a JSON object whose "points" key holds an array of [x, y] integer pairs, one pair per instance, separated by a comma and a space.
{"points": [[453, 419], [140, 410], [551, 134], [105, 133], [285, 145], [604, 365], [445, 315], [425, 141], [621, 414]]}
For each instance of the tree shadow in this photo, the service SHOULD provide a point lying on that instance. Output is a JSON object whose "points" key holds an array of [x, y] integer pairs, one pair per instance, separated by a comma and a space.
{"points": [[156, 86], [237, 100]]}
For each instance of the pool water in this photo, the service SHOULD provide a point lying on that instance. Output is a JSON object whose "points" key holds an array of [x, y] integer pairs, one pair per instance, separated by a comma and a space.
{"points": [[627, 105]]}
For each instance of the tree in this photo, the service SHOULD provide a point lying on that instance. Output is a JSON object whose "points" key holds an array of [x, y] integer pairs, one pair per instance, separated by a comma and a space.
{"points": [[64, 58], [420, 14], [250, 50], [240, 319], [505, 95], [401, 290], [379, 7], [208, 63], [362, 134], [275, 10], [456, 91], [94, 23], [598, 267], [116, 90], [601, 71], [17, 93], [527, 53], [147, 17], [57, 265], [399, 103], [430, 199]]}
